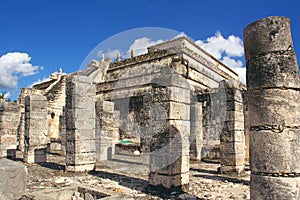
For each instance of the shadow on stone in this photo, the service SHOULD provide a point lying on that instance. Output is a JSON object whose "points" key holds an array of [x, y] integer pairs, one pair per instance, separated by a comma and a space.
{"points": [[205, 171], [52, 165], [141, 185], [125, 161]]}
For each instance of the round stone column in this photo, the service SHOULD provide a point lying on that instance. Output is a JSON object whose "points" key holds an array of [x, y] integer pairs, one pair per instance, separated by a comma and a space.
{"points": [[274, 109]]}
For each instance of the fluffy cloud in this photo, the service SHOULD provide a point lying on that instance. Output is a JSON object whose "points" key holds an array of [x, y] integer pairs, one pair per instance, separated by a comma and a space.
{"points": [[182, 34], [110, 54], [217, 45], [13, 66], [227, 50], [140, 45]]}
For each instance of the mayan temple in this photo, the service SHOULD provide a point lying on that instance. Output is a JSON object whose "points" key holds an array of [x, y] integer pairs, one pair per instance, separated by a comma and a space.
{"points": [[162, 114]]}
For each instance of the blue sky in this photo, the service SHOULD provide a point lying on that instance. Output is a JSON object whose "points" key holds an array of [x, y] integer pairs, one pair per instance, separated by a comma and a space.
{"points": [[48, 34]]}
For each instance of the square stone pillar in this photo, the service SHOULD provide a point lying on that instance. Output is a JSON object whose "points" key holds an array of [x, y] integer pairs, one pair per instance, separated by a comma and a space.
{"points": [[232, 139], [80, 124], [21, 132], [36, 129], [107, 129], [169, 148], [196, 137]]}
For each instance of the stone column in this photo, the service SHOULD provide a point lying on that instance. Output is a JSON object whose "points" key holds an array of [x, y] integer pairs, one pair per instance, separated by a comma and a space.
{"points": [[36, 129], [170, 116], [80, 124], [274, 109], [232, 139], [196, 131], [9, 120], [62, 132], [107, 130], [21, 132]]}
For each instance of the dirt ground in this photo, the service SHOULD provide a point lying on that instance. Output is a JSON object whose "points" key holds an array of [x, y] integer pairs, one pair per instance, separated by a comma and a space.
{"points": [[128, 179]]}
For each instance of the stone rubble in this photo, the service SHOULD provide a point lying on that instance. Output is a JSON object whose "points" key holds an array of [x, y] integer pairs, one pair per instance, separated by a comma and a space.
{"points": [[205, 182]]}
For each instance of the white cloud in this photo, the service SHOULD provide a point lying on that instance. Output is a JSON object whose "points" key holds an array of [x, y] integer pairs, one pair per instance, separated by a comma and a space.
{"points": [[13, 66], [110, 53], [217, 45], [227, 50], [140, 45], [232, 63], [182, 34]]}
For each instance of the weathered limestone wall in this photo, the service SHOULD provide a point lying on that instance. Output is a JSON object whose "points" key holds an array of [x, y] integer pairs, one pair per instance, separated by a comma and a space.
{"points": [[274, 109], [232, 146], [36, 129], [107, 129], [80, 124], [9, 120], [56, 101]]}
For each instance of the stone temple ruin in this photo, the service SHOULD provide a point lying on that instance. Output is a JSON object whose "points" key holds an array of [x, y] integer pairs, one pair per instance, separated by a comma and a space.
{"points": [[174, 104]]}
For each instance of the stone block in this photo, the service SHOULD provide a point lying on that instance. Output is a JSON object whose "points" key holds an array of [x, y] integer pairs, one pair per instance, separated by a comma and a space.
{"points": [[80, 168], [40, 155], [80, 146], [13, 177], [35, 97], [80, 134], [104, 149], [273, 152], [78, 113], [233, 159], [232, 147], [268, 187], [169, 78], [232, 95], [233, 170], [234, 116], [35, 154], [233, 126], [181, 95], [77, 101], [167, 181], [232, 136], [36, 115], [234, 106], [182, 126], [179, 111], [274, 107], [80, 159], [80, 124]]}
